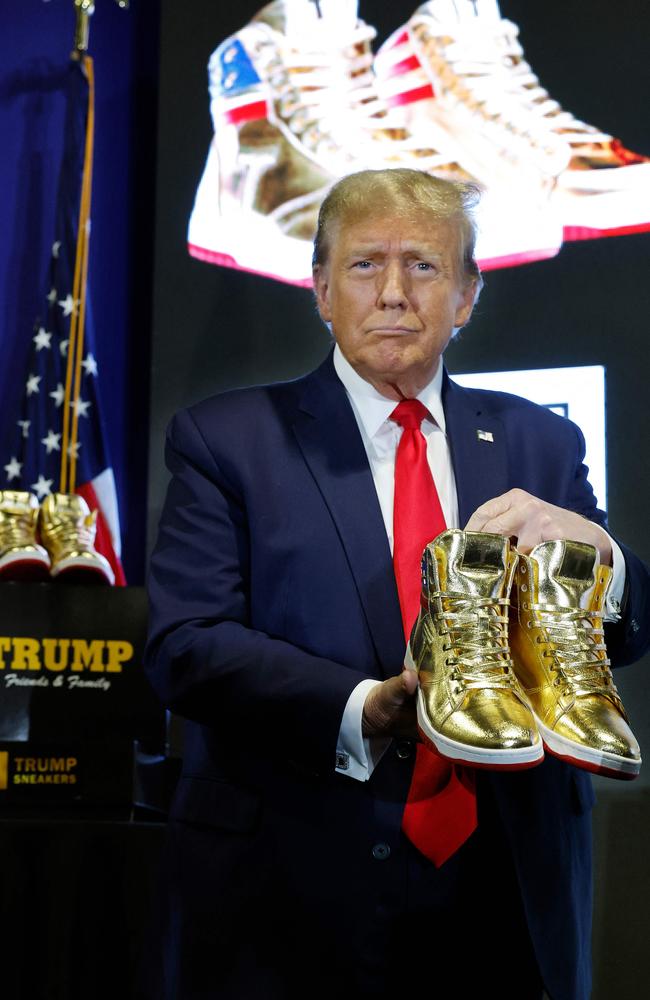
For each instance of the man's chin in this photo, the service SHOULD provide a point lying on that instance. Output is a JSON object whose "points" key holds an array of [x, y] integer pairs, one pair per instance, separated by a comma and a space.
{"points": [[397, 368]]}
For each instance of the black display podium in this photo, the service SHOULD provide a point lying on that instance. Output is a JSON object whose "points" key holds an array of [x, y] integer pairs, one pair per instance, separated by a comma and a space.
{"points": [[84, 782], [75, 706]]}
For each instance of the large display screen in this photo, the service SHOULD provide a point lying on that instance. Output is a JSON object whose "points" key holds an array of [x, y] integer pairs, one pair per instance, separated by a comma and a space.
{"points": [[577, 393], [301, 94]]}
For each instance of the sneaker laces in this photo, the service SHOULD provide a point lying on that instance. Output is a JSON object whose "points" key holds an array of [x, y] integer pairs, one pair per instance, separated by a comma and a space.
{"points": [[490, 60], [578, 648], [329, 99], [477, 631], [72, 533], [16, 530]]}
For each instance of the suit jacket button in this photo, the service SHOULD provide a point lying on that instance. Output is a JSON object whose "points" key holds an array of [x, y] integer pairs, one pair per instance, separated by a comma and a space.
{"points": [[380, 852], [404, 749]]}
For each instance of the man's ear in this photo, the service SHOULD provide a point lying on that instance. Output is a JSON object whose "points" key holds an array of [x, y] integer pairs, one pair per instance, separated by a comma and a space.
{"points": [[465, 305], [322, 291]]}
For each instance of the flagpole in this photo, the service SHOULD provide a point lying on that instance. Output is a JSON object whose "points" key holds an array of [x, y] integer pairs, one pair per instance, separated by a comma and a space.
{"points": [[77, 318], [79, 294]]}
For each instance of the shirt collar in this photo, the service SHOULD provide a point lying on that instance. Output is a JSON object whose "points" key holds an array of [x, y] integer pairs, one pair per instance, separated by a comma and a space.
{"points": [[372, 408]]}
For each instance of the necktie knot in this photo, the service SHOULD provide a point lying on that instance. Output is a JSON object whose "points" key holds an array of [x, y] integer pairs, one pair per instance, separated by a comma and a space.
{"points": [[409, 414]]}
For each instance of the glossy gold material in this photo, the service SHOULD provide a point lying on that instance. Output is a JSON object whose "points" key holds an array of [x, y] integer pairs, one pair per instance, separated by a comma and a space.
{"points": [[471, 707], [557, 641], [21, 557], [68, 532]]}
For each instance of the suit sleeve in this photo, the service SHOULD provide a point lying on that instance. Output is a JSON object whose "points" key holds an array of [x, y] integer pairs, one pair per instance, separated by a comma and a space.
{"points": [[628, 639], [203, 657]]}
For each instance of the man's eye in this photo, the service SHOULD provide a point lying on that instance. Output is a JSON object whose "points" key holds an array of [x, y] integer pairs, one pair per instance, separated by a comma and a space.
{"points": [[424, 265], [363, 264]]}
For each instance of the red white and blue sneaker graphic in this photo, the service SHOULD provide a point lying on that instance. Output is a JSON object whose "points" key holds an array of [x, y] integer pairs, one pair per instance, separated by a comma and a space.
{"points": [[459, 64]]}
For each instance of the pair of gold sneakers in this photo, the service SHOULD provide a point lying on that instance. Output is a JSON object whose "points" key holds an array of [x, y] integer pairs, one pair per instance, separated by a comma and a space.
{"points": [[511, 658], [54, 539]]}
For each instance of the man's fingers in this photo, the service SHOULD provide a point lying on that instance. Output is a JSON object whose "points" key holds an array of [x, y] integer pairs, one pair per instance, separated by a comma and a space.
{"points": [[409, 682], [389, 708], [489, 513], [529, 520]]}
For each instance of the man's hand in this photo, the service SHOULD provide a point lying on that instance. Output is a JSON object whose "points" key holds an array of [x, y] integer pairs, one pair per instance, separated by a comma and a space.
{"points": [[533, 521], [389, 708]]}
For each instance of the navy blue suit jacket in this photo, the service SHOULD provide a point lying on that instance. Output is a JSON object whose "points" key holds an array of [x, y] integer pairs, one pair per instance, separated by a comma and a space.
{"points": [[272, 596]]}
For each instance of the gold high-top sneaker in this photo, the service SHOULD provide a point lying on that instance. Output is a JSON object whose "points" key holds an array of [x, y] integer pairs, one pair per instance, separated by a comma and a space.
{"points": [[470, 705], [68, 532], [21, 557], [556, 636]]}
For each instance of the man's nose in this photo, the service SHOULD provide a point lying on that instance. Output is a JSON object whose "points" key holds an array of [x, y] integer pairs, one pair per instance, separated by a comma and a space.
{"points": [[393, 291]]}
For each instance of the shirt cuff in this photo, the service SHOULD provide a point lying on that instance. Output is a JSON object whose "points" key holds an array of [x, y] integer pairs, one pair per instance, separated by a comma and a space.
{"points": [[617, 586], [357, 756]]}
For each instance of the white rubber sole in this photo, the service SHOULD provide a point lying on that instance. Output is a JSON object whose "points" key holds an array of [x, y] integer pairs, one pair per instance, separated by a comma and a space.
{"points": [[98, 571], [34, 565], [497, 759], [597, 761]]}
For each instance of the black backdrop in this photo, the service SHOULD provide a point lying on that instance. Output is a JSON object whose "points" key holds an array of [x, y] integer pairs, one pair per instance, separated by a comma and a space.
{"points": [[215, 328]]}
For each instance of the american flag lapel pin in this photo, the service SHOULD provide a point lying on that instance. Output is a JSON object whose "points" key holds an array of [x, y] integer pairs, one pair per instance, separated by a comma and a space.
{"points": [[485, 436]]}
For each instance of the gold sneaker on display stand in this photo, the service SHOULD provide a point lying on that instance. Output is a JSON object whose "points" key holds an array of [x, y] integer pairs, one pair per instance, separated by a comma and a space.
{"points": [[556, 637], [21, 557], [67, 529], [470, 705]]}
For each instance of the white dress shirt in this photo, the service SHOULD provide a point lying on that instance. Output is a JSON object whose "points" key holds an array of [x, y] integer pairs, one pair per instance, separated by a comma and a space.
{"points": [[358, 756]]}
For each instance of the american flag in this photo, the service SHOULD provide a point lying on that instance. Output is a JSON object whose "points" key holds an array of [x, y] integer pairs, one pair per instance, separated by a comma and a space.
{"points": [[57, 442]]}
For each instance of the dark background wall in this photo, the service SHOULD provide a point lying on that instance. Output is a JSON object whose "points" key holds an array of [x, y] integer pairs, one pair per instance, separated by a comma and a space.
{"points": [[215, 328]]}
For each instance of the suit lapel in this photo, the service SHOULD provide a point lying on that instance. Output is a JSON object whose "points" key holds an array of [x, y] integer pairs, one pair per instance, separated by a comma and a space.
{"points": [[478, 449], [329, 439]]}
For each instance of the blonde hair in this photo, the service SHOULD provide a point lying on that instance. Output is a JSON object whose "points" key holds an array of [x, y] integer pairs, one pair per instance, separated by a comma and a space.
{"points": [[401, 191]]}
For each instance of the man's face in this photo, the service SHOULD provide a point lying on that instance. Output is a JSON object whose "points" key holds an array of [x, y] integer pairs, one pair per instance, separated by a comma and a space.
{"points": [[392, 293]]}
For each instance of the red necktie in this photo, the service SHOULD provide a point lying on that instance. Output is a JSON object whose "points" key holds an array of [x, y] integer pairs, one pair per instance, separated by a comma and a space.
{"points": [[440, 811]]}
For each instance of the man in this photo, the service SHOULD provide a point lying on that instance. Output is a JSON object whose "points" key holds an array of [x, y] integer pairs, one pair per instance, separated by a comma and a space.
{"points": [[276, 632]]}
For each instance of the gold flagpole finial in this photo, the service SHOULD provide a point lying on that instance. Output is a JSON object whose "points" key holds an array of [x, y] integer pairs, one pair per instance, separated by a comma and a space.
{"points": [[84, 9]]}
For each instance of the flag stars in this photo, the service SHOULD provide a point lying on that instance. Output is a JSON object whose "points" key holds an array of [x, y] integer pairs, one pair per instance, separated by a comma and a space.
{"points": [[51, 296], [32, 384], [73, 449], [89, 365], [57, 395], [24, 426], [68, 305], [51, 442], [63, 347], [42, 487], [42, 339], [56, 246], [80, 407], [13, 469]]}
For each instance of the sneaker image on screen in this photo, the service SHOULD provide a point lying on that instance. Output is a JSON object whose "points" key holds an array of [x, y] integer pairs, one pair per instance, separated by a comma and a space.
{"points": [[295, 107], [459, 64]]}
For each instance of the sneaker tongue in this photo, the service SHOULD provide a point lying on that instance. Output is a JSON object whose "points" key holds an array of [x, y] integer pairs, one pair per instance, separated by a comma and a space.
{"points": [[308, 20], [476, 563], [567, 573], [461, 11]]}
